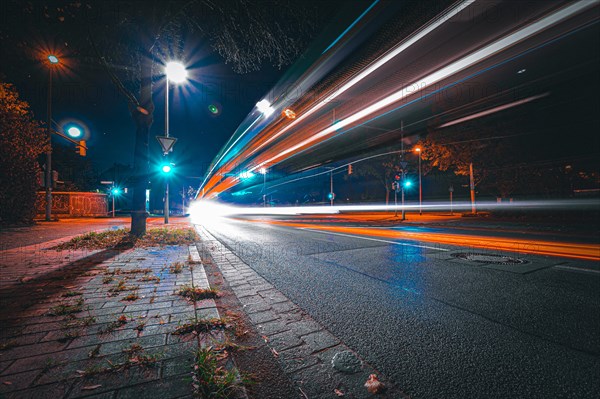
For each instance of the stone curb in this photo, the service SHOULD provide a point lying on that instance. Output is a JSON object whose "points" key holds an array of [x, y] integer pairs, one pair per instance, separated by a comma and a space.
{"points": [[304, 349]]}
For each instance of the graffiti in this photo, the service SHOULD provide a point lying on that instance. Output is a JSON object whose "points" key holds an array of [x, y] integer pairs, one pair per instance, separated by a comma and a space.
{"points": [[74, 204]]}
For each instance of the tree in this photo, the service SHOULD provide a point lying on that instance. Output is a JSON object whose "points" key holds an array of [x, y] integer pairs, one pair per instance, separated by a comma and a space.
{"points": [[383, 169], [131, 41], [22, 140]]}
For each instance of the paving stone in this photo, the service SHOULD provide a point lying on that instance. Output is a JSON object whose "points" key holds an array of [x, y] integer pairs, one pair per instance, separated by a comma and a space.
{"points": [[296, 358], [110, 381], [15, 382], [166, 388], [284, 340], [51, 391], [263, 317], [177, 366], [304, 327], [320, 340]]}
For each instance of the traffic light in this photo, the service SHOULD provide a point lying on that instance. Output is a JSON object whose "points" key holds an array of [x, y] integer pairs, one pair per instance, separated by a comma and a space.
{"points": [[407, 183], [166, 169], [82, 148], [331, 196], [397, 177], [350, 169]]}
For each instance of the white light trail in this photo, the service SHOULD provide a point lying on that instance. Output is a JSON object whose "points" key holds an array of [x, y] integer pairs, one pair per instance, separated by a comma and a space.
{"points": [[455, 67], [494, 110], [373, 67], [203, 210]]}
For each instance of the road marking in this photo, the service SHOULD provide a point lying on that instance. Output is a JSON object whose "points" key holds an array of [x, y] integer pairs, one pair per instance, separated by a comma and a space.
{"points": [[374, 239], [577, 269]]}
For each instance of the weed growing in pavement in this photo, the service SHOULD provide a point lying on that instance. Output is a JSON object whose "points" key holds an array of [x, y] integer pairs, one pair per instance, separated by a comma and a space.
{"points": [[201, 326], [94, 352], [176, 268], [156, 279], [113, 325], [210, 379], [196, 294], [120, 287], [107, 280], [49, 362], [66, 308], [191, 260], [132, 297]]}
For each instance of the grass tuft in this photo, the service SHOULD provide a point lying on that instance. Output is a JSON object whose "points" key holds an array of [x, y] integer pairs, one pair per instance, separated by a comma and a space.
{"points": [[210, 379], [196, 294]]}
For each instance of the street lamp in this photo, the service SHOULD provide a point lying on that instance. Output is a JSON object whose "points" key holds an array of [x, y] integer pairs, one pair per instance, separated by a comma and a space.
{"points": [[175, 72], [74, 132], [263, 171], [418, 151], [115, 191], [53, 60]]}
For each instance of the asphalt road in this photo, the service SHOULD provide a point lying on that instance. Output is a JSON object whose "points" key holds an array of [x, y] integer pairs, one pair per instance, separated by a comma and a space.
{"points": [[437, 326]]}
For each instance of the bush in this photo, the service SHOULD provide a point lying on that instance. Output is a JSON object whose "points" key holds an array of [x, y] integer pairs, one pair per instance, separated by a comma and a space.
{"points": [[22, 140]]}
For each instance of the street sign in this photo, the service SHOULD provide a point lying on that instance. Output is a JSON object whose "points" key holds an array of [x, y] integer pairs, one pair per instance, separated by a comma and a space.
{"points": [[107, 182], [166, 143], [403, 165]]}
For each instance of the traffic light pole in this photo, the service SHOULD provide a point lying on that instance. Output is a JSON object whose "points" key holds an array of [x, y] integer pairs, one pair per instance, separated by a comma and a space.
{"points": [[166, 209], [331, 186], [49, 151]]}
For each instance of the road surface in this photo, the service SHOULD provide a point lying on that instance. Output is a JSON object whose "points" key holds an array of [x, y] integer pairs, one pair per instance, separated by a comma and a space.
{"points": [[439, 325]]}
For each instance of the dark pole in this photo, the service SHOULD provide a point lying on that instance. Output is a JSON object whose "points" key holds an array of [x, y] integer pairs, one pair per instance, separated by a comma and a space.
{"points": [[49, 151]]}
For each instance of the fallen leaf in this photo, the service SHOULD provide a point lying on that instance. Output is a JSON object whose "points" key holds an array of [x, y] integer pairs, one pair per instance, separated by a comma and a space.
{"points": [[90, 387], [338, 392], [275, 353], [80, 371], [265, 338], [373, 384], [7, 382]]}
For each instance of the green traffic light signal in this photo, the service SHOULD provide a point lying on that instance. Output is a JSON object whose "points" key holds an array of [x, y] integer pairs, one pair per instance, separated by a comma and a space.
{"points": [[166, 169]]}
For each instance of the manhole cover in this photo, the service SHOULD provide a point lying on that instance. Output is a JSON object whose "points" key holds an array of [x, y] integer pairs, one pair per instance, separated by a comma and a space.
{"points": [[346, 362], [489, 258]]}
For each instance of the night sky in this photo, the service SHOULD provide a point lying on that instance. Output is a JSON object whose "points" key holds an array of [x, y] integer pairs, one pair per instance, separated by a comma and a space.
{"points": [[83, 93]]}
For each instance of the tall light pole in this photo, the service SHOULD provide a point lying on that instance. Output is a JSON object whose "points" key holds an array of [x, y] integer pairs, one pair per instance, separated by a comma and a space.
{"points": [[418, 150], [175, 72], [263, 171], [53, 60]]}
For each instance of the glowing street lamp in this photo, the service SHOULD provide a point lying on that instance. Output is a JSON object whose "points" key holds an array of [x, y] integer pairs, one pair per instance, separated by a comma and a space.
{"points": [[74, 132], [53, 60], [418, 151], [263, 171], [264, 106], [176, 73]]}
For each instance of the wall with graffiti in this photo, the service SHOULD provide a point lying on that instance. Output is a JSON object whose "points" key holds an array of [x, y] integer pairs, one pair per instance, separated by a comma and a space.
{"points": [[74, 204]]}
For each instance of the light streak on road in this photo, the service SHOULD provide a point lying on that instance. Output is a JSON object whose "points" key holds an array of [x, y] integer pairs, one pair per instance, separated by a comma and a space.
{"points": [[527, 246], [444, 73]]}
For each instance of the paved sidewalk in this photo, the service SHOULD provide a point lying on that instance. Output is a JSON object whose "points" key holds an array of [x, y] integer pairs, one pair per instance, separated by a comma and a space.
{"points": [[303, 348], [98, 323]]}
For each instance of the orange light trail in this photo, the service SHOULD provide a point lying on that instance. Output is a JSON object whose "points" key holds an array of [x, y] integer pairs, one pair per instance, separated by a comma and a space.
{"points": [[534, 247]]}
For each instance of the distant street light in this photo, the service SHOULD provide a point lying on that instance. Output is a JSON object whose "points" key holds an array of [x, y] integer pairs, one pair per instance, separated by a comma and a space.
{"points": [[53, 60], [418, 151], [175, 72], [264, 106], [263, 171]]}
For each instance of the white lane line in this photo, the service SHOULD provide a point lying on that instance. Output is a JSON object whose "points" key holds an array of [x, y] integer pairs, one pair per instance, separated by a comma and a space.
{"points": [[577, 269], [374, 239]]}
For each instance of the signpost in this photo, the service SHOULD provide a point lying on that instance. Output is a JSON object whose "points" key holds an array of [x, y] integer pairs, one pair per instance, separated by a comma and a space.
{"points": [[166, 143]]}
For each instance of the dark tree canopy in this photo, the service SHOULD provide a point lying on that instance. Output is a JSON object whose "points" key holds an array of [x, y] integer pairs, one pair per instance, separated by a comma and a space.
{"points": [[22, 140]]}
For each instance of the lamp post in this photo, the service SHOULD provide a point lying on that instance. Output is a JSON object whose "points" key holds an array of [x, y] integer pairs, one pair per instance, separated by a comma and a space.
{"points": [[175, 72], [418, 150], [53, 60], [263, 171]]}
